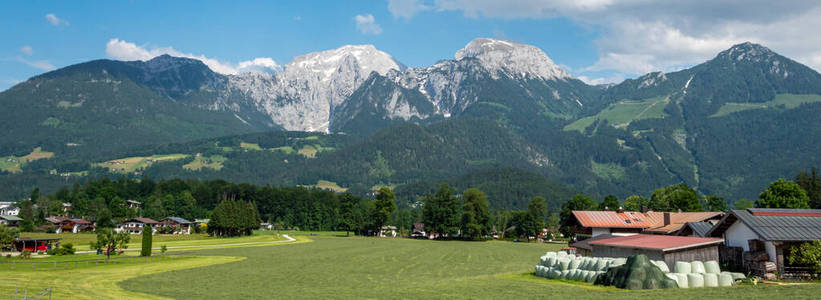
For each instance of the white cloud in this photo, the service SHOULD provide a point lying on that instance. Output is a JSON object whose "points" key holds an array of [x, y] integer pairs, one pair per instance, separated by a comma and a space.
{"points": [[639, 36], [27, 50], [366, 24], [54, 20], [406, 9], [39, 64], [123, 50]]}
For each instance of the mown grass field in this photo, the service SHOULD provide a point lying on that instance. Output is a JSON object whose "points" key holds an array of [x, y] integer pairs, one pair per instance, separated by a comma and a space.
{"points": [[81, 241], [212, 162], [329, 266], [131, 164], [620, 114], [357, 268], [788, 101]]}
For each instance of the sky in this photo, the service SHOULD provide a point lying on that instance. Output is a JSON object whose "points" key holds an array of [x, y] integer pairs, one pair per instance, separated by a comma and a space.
{"points": [[598, 41]]}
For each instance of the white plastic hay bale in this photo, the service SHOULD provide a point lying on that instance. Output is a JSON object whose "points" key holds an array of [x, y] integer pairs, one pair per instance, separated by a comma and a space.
{"points": [[574, 274], [695, 280], [710, 280], [550, 254], [601, 265], [585, 263], [683, 267], [738, 276], [561, 253], [725, 280], [617, 262], [564, 274], [551, 261], [554, 274], [538, 270], [697, 267], [712, 267], [574, 264], [682, 280], [563, 264], [662, 265]]}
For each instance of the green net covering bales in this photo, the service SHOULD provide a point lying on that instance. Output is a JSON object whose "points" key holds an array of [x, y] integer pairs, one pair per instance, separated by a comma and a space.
{"points": [[697, 267], [725, 280], [710, 280], [695, 280], [636, 273], [711, 267], [683, 267]]}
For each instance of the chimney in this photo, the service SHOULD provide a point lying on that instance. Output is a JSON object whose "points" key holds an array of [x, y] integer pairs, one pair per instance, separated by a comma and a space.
{"points": [[666, 218], [620, 210]]}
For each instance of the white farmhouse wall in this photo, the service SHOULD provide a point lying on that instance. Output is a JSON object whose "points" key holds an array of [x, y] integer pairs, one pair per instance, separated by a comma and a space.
{"points": [[738, 234], [598, 231]]}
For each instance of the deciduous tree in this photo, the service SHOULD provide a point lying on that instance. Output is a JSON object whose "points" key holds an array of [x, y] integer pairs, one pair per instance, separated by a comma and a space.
{"points": [[475, 214], [783, 194]]}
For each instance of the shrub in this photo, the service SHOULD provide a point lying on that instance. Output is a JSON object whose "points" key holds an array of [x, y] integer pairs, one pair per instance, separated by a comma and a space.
{"points": [[26, 254]]}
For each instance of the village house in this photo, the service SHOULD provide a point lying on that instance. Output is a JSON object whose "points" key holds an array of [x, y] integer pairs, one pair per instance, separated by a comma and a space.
{"points": [[387, 231], [667, 248], [136, 225], [65, 224], [180, 225], [418, 230], [764, 238], [9, 209], [621, 223], [133, 204]]}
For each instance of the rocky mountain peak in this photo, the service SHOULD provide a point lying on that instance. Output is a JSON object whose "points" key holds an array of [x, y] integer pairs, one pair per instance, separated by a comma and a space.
{"points": [[514, 59], [747, 52]]}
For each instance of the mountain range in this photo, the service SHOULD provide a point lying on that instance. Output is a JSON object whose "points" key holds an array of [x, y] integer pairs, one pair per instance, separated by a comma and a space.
{"points": [[727, 126]]}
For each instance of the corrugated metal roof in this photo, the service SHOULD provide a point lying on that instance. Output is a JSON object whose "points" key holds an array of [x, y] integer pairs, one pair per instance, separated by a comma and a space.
{"points": [[679, 219], [785, 212], [657, 242], [782, 228], [142, 220], [585, 244], [700, 228]]}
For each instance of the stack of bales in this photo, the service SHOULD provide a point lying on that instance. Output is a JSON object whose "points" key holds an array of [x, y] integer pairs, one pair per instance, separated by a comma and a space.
{"points": [[702, 274], [560, 265]]}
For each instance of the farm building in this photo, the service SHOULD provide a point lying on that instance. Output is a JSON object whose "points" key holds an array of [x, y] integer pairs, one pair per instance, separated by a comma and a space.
{"points": [[10, 221], [8, 209], [135, 225], [34, 244], [181, 226], [698, 229], [668, 248], [764, 237], [133, 204], [419, 230], [584, 248], [619, 222]]}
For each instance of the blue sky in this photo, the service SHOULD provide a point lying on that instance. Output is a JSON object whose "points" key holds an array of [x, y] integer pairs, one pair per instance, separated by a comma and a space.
{"points": [[596, 40]]}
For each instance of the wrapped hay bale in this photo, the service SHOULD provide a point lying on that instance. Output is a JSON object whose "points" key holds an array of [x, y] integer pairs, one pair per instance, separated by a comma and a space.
{"points": [[710, 280], [672, 276], [574, 264], [551, 261], [538, 270], [682, 280], [563, 264], [564, 274], [550, 254], [683, 267], [738, 276], [695, 280], [662, 265], [617, 262], [561, 253], [725, 280], [637, 272], [553, 274], [585, 265], [712, 267], [697, 267], [601, 265]]}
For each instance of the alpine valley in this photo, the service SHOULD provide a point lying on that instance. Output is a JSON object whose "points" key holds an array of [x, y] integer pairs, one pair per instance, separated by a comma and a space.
{"points": [[500, 116]]}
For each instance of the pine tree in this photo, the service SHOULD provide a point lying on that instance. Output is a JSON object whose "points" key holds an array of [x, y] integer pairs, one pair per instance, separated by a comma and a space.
{"points": [[147, 239]]}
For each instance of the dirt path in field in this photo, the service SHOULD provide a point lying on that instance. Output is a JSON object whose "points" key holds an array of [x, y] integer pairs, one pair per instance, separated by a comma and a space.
{"points": [[212, 246]]}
